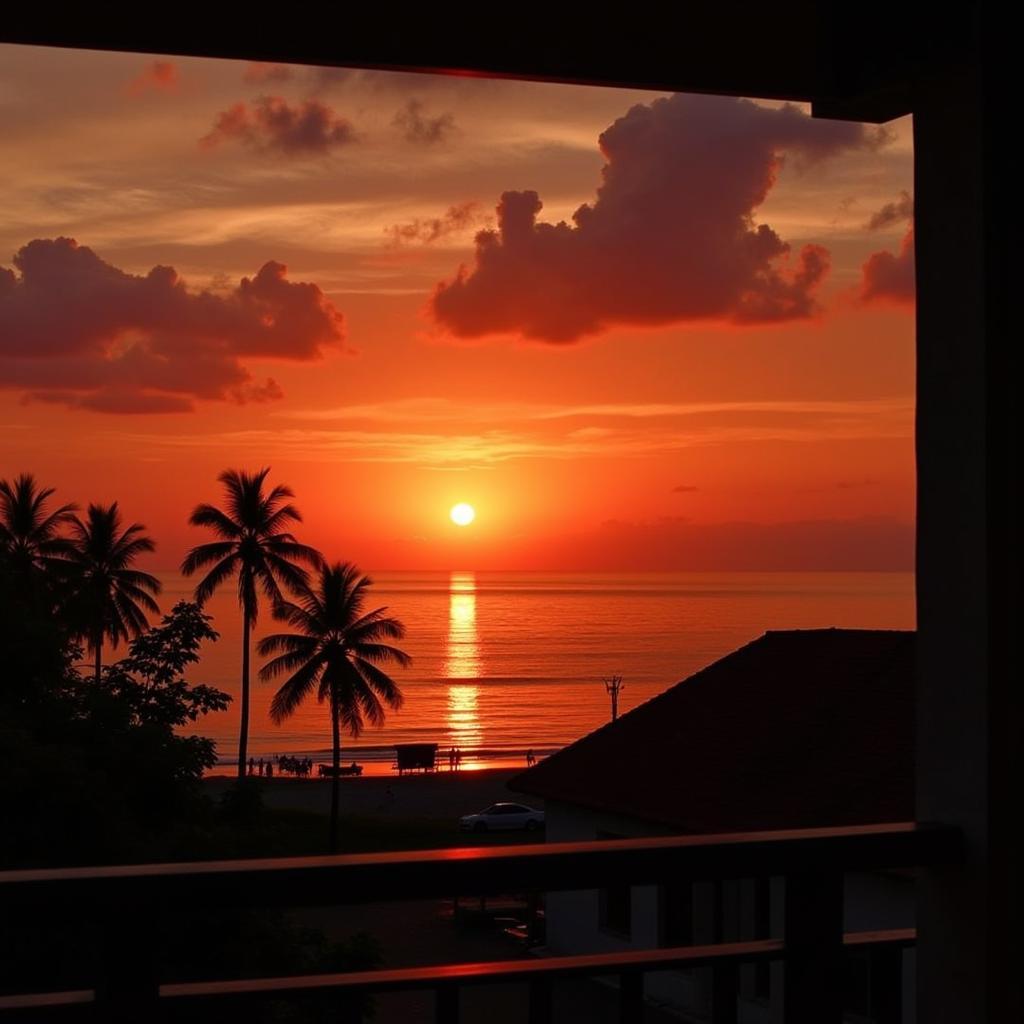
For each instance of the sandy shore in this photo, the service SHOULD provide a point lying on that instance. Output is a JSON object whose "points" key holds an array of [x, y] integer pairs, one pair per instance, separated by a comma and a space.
{"points": [[436, 795]]}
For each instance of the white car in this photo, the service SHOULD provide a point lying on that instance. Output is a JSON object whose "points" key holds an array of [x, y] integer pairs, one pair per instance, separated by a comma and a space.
{"points": [[503, 815]]}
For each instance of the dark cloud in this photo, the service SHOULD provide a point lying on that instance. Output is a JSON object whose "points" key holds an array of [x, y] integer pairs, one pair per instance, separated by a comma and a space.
{"points": [[670, 236], [418, 128], [892, 213], [78, 330], [889, 277], [268, 391], [158, 76], [270, 123], [460, 217], [114, 400]]}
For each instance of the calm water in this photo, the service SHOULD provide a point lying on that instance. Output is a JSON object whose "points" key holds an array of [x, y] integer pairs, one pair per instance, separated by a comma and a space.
{"points": [[505, 662]]}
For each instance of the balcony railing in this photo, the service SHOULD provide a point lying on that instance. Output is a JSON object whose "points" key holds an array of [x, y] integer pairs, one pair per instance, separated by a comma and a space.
{"points": [[132, 900]]}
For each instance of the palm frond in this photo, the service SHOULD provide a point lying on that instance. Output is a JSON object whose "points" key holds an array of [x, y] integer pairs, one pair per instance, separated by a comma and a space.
{"points": [[213, 518], [206, 554], [141, 580], [375, 627], [381, 683], [222, 571], [287, 643], [294, 691], [381, 654]]}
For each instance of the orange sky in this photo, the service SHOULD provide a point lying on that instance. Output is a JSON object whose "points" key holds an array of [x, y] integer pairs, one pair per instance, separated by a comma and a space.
{"points": [[709, 365]]}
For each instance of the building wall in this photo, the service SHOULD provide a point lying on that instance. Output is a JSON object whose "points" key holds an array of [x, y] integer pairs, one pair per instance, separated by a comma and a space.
{"points": [[574, 919]]}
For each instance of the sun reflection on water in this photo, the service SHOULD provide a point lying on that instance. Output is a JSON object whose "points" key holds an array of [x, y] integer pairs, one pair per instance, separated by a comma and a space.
{"points": [[463, 717], [462, 665], [463, 654]]}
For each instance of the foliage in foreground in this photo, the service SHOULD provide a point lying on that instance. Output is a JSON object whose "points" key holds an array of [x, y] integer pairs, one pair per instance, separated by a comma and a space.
{"points": [[95, 773]]}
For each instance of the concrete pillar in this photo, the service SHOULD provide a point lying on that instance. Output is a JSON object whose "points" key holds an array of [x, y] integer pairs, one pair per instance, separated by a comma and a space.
{"points": [[969, 550]]}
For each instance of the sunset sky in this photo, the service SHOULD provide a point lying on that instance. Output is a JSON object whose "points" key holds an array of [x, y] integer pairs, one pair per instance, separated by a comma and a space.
{"points": [[633, 330]]}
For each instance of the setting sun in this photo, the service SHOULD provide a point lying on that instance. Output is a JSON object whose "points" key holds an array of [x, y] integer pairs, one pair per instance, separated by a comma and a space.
{"points": [[462, 514]]}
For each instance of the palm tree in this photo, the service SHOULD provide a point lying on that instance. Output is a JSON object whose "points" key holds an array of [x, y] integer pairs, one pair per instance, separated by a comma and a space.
{"points": [[254, 545], [30, 540], [337, 652], [110, 598]]}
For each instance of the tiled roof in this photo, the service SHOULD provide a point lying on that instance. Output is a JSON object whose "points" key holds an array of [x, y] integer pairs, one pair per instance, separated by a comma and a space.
{"points": [[797, 729]]}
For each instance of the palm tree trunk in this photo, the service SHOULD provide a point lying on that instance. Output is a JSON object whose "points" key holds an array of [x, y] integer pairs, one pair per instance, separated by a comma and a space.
{"points": [[336, 780], [243, 729], [98, 642]]}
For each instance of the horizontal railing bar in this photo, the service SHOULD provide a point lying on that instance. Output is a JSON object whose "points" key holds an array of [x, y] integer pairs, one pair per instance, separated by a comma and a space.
{"points": [[886, 937], [378, 877], [485, 972], [406, 978], [47, 1000]]}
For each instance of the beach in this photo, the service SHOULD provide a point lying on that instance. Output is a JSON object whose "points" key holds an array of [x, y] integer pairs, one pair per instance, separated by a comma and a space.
{"points": [[431, 795]]}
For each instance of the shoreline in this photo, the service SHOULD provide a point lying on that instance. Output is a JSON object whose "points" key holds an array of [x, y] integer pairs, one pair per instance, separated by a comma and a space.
{"points": [[379, 762]]}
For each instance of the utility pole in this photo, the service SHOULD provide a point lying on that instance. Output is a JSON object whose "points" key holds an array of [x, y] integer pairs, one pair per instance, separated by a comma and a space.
{"points": [[614, 686]]}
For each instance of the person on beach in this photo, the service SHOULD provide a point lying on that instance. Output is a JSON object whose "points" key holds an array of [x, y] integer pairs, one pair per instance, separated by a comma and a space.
{"points": [[451, 760], [458, 758], [259, 765], [530, 759], [252, 766]]}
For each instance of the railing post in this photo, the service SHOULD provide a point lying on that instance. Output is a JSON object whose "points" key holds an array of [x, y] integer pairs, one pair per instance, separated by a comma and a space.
{"points": [[724, 988], [128, 991], [886, 974], [446, 1004], [631, 997], [540, 1001], [814, 982]]}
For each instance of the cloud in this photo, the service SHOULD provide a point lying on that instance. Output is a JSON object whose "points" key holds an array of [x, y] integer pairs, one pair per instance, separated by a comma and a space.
{"points": [[843, 412], [442, 435], [324, 78], [77, 330], [116, 400], [271, 124], [158, 76], [684, 489], [460, 217], [892, 213], [889, 277], [259, 72], [670, 237], [421, 130]]}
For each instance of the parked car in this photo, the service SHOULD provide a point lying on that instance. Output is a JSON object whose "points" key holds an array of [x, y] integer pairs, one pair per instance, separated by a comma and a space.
{"points": [[503, 815]]}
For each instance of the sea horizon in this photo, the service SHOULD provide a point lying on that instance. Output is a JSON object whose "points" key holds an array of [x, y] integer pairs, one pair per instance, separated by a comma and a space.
{"points": [[506, 662]]}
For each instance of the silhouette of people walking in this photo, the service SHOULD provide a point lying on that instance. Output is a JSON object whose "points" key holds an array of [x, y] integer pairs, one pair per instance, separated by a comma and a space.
{"points": [[458, 758], [259, 765], [252, 766], [451, 760]]}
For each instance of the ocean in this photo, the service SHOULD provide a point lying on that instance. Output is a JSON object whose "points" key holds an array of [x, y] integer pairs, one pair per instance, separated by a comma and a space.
{"points": [[506, 662]]}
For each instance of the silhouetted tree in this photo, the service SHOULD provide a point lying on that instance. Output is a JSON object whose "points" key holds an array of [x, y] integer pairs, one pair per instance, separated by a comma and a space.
{"points": [[110, 598], [31, 545], [254, 545], [337, 652]]}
